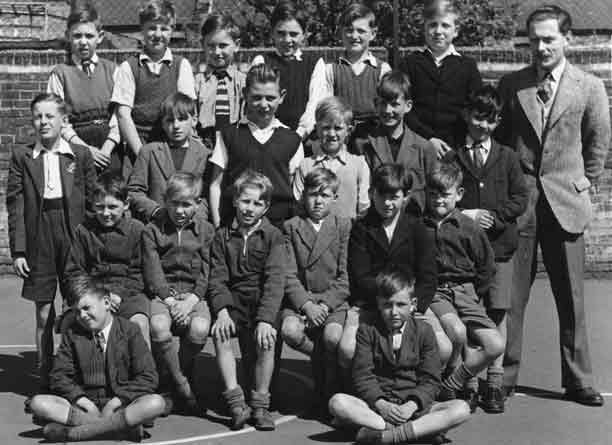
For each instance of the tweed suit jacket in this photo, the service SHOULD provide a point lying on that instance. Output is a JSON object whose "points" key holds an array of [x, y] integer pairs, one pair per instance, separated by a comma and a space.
{"points": [[566, 154]]}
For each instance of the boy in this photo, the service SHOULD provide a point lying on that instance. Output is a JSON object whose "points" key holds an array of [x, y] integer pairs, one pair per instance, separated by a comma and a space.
{"points": [[334, 124], [108, 247], [49, 186], [103, 376], [396, 374], [247, 281], [441, 78], [175, 268], [390, 234], [158, 161], [317, 279], [495, 195], [259, 142], [86, 84], [354, 76], [466, 269], [144, 81], [219, 83], [389, 140]]}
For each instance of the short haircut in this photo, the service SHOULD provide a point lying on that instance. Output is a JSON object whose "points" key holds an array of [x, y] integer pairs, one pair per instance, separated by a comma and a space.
{"points": [[554, 12], [334, 107], [286, 11], [437, 8], [356, 11], [394, 84], [183, 182], [485, 102], [253, 179], [445, 176], [393, 280], [111, 183], [50, 97], [261, 73], [157, 10], [321, 178], [220, 22], [80, 285], [178, 105], [391, 178], [83, 12]]}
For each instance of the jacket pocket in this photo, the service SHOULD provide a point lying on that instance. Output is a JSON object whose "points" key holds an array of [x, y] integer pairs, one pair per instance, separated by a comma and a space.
{"points": [[582, 184]]}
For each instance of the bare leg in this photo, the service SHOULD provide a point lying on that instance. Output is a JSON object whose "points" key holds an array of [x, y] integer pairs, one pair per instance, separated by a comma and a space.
{"points": [[348, 342], [45, 318], [52, 408], [456, 333], [226, 363], [144, 408], [264, 367], [293, 333], [143, 323]]}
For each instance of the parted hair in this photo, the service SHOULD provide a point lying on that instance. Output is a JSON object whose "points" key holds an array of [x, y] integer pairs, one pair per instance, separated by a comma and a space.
{"points": [[334, 108], [261, 73], [393, 280], [394, 84], [550, 11], [437, 8], [80, 285], [50, 97], [253, 179], [390, 178], [178, 105], [153, 10], [285, 11], [446, 175], [220, 22], [321, 178], [83, 12], [356, 11], [111, 183], [183, 182], [485, 102]]}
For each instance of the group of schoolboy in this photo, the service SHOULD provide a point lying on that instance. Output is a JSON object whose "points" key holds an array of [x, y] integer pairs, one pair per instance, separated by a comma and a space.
{"points": [[347, 242]]}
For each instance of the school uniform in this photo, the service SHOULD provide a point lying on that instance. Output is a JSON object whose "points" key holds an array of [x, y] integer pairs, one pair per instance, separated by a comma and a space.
{"points": [[154, 165], [440, 88], [498, 186], [113, 256], [47, 194], [411, 247], [123, 369], [398, 373], [415, 153]]}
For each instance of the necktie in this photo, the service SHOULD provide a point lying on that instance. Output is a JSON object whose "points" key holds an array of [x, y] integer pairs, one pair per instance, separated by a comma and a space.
{"points": [[100, 341], [220, 74], [86, 65], [545, 89], [477, 157]]}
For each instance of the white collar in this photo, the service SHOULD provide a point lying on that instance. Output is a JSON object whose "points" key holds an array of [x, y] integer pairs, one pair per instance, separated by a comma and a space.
{"points": [[297, 55], [341, 155], [167, 57], [274, 124], [450, 51], [316, 225], [77, 60], [60, 147], [557, 71], [401, 332], [366, 57], [106, 331], [486, 144]]}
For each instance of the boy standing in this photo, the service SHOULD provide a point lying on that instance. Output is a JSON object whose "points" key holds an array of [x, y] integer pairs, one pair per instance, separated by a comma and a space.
{"points": [[396, 374], [103, 376], [49, 186], [247, 283], [390, 141], [495, 195], [176, 268], [317, 279]]}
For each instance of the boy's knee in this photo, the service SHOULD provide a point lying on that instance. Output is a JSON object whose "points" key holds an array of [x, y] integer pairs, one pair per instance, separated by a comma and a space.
{"points": [[198, 330], [459, 411], [292, 331], [142, 321], [455, 330], [445, 347], [41, 406], [346, 351], [494, 345], [160, 326], [339, 405], [332, 334], [156, 405]]}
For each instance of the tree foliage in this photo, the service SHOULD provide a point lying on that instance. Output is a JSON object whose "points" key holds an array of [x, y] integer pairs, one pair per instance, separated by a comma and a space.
{"points": [[482, 21]]}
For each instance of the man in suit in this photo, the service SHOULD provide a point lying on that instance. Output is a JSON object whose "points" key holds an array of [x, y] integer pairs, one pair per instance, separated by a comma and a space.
{"points": [[557, 119]]}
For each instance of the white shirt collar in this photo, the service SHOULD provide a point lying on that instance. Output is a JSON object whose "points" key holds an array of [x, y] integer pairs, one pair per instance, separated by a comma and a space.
{"points": [[106, 330], [61, 147], [297, 55], [77, 60], [167, 57], [557, 71], [341, 155], [486, 144], [366, 57], [315, 224], [274, 124], [450, 51]]}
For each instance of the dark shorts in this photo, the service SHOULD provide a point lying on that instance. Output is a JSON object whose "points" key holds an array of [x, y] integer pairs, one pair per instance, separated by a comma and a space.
{"points": [[200, 309], [500, 292], [461, 299], [336, 317], [48, 263], [134, 304]]}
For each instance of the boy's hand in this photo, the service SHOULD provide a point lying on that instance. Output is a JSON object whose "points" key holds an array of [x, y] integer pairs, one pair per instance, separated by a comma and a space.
{"points": [[485, 220], [315, 313], [390, 412], [224, 327], [115, 301], [183, 307], [441, 147], [265, 335], [111, 406], [21, 267], [87, 405], [408, 409], [101, 158]]}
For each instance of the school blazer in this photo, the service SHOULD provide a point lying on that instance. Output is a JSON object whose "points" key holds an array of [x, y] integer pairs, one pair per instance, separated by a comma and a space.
{"points": [[567, 153], [130, 369], [413, 376], [153, 167], [24, 195], [317, 266]]}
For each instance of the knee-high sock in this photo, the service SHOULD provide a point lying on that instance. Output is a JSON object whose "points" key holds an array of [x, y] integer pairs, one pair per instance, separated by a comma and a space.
{"points": [[115, 423], [169, 355], [186, 355]]}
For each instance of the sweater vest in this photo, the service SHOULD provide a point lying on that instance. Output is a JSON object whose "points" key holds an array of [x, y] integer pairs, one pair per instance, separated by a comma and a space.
{"points": [[151, 91], [358, 90], [295, 80]]}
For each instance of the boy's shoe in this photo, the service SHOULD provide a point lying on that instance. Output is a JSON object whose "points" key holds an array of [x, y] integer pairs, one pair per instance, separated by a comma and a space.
{"points": [[368, 436], [240, 416], [585, 396], [262, 420], [493, 400], [56, 432], [134, 434], [440, 439], [471, 397]]}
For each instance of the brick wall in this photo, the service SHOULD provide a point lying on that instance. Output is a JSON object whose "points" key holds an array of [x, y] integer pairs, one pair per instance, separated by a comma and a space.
{"points": [[24, 73]]}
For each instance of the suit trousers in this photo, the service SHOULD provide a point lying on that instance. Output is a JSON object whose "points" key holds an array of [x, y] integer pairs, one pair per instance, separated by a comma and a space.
{"points": [[563, 256]]}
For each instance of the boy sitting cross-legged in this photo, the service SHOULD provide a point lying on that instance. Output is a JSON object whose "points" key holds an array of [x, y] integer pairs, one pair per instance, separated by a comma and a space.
{"points": [[396, 373], [103, 375], [317, 279], [247, 282]]}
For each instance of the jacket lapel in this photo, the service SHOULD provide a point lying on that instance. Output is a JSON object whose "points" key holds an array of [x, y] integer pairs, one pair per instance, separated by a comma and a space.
{"points": [[67, 167], [323, 239], [306, 233], [407, 151], [401, 232], [163, 157], [36, 170], [408, 341], [491, 159], [193, 158], [381, 146], [527, 96], [386, 342], [466, 161], [567, 90], [114, 344]]}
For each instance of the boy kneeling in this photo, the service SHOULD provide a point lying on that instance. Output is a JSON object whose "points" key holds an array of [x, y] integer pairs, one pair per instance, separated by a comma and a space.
{"points": [[103, 375], [396, 373]]}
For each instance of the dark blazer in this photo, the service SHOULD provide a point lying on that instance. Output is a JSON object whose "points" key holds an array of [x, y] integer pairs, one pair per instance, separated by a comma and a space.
{"points": [[130, 367], [317, 267], [153, 167], [413, 248], [414, 375], [416, 154], [499, 187], [24, 195]]}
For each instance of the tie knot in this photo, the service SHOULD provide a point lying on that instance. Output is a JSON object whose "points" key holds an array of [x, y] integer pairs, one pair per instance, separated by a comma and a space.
{"points": [[100, 340], [220, 74], [86, 65]]}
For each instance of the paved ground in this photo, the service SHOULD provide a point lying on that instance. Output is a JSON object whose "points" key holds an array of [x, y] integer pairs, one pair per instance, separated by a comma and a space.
{"points": [[537, 417]]}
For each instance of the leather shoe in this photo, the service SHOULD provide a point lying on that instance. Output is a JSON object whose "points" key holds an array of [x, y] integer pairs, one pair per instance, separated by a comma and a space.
{"points": [[368, 436], [493, 400], [585, 396]]}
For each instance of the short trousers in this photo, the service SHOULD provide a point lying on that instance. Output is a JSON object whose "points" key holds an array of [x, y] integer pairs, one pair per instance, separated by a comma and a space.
{"points": [[430, 318], [200, 309], [338, 317], [134, 304], [356, 316], [500, 292], [461, 299]]}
